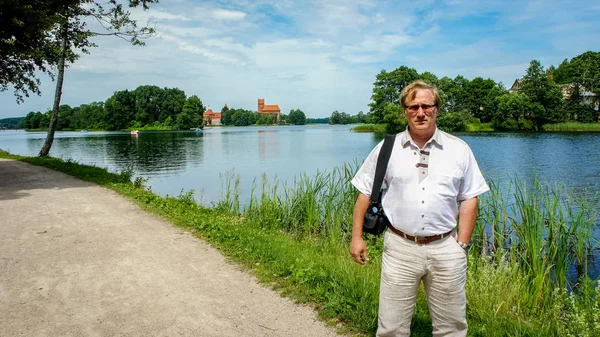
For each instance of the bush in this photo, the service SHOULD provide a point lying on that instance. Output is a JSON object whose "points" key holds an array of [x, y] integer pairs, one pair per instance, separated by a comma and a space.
{"points": [[455, 121], [395, 119]]}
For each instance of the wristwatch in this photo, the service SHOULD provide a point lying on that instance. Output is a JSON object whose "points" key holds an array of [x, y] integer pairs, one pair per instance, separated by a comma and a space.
{"points": [[464, 246]]}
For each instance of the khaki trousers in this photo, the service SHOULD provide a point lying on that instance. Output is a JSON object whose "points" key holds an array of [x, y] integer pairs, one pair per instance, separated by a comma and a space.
{"points": [[441, 266]]}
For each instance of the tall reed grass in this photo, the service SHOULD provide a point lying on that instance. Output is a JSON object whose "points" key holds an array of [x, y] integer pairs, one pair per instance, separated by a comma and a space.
{"points": [[528, 239], [573, 126], [313, 265]]}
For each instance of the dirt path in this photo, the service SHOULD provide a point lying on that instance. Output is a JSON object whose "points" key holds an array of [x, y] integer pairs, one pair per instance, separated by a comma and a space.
{"points": [[79, 260]]}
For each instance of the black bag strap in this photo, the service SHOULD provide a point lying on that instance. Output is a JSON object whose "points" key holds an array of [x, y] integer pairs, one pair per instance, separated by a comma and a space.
{"points": [[382, 162]]}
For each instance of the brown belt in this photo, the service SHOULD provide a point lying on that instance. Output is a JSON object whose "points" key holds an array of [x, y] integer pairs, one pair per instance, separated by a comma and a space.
{"points": [[419, 239]]}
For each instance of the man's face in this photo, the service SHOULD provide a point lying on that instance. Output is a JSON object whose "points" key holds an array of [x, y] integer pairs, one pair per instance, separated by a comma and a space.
{"points": [[421, 112]]}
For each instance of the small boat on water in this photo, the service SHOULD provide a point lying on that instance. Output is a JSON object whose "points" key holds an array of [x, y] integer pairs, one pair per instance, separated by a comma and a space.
{"points": [[84, 131], [135, 132]]}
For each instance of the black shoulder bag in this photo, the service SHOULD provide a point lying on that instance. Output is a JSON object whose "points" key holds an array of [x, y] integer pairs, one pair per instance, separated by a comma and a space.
{"points": [[375, 221]]}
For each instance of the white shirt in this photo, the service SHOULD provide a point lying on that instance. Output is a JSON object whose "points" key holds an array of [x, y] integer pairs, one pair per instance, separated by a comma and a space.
{"points": [[424, 206]]}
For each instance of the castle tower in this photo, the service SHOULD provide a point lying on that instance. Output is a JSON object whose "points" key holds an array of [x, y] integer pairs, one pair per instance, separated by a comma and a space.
{"points": [[261, 104]]}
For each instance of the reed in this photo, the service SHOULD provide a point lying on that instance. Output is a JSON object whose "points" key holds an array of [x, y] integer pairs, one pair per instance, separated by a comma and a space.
{"points": [[572, 126], [381, 128], [317, 270], [527, 238], [318, 207]]}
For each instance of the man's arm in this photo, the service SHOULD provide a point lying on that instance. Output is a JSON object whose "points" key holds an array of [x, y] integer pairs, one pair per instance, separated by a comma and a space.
{"points": [[466, 219], [358, 247]]}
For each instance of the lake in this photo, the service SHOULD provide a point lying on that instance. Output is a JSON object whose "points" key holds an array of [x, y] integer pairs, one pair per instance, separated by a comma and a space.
{"points": [[176, 161], [188, 160]]}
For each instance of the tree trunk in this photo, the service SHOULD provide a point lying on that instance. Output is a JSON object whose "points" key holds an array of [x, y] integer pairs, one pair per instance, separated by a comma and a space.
{"points": [[57, 95]]}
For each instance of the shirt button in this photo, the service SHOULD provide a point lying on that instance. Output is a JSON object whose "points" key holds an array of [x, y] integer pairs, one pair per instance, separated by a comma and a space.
{"points": [[423, 188], [422, 201], [415, 153], [422, 215], [423, 172], [422, 228]]}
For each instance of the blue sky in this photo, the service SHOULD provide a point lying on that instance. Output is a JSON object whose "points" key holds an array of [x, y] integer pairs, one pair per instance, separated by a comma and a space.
{"points": [[321, 56]]}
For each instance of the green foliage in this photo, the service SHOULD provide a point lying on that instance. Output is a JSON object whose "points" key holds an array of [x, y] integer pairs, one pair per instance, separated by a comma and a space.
{"points": [[455, 121], [12, 123], [479, 99], [227, 117], [386, 90], [191, 114], [297, 117], [573, 126], [32, 34], [265, 119], [394, 118], [24, 43], [542, 91], [308, 259], [585, 70], [340, 118], [379, 128], [514, 112], [146, 107], [324, 120], [243, 117]]}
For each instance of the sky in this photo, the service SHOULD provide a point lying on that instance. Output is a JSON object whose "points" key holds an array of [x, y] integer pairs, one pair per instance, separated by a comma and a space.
{"points": [[321, 55]]}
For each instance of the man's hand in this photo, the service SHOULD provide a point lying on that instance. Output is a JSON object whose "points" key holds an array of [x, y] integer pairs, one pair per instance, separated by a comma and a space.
{"points": [[358, 250], [358, 247]]}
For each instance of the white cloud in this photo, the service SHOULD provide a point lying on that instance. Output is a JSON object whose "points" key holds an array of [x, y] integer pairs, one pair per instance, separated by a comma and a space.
{"points": [[321, 55], [224, 14]]}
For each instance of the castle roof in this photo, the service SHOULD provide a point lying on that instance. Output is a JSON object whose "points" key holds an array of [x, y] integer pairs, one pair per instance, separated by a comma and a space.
{"points": [[271, 108]]}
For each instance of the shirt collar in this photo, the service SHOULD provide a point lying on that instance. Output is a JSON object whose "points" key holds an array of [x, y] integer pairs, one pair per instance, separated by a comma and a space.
{"points": [[436, 138]]}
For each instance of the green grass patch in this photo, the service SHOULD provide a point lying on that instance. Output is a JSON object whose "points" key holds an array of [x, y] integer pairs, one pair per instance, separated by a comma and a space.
{"points": [[381, 128], [479, 127], [572, 127], [295, 238]]}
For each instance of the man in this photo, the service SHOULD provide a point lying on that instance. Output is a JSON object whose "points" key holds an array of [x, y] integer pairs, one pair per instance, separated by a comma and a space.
{"points": [[429, 170]]}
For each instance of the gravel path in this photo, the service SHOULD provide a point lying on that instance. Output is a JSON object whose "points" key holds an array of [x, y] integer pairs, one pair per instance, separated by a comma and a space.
{"points": [[77, 259]]}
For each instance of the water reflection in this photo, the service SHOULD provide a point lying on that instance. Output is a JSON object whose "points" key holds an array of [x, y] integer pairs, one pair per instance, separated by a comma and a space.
{"points": [[268, 144]]}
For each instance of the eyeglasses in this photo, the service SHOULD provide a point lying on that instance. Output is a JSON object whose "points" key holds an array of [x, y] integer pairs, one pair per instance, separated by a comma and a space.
{"points": [[425, 107]]}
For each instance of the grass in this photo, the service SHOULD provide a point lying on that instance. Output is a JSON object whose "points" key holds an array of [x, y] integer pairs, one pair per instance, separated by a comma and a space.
{"points": [[370, 128], [573, 126], [479, 127], [295, 238]]}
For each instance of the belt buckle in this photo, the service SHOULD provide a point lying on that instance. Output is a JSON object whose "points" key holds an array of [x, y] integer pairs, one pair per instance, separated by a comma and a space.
{"points": [[420, 239]]}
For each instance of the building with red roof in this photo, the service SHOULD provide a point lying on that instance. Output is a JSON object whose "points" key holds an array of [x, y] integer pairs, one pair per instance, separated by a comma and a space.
{"points": [[269, 109], [212, 118]]}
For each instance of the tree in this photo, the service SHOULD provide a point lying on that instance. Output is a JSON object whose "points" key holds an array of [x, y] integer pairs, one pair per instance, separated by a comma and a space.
{"points": [[515, 112], [147, 103], [193, 108], [453, 93], [394, 118], [563, 74], [542, 90], [297, 117], [429, 78], [71, 33], [25, 45], [265, 119], [171, 103], [243, 117], [119, 110], [227, 117], [585, 69], [387, 87]]}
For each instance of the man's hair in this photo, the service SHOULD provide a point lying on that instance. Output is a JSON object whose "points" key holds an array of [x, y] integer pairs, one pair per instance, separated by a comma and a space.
{"points": [[410, 91]]}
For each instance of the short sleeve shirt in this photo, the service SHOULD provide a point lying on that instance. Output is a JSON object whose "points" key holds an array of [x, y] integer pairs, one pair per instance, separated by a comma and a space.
{"points": [[422, 200]]}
